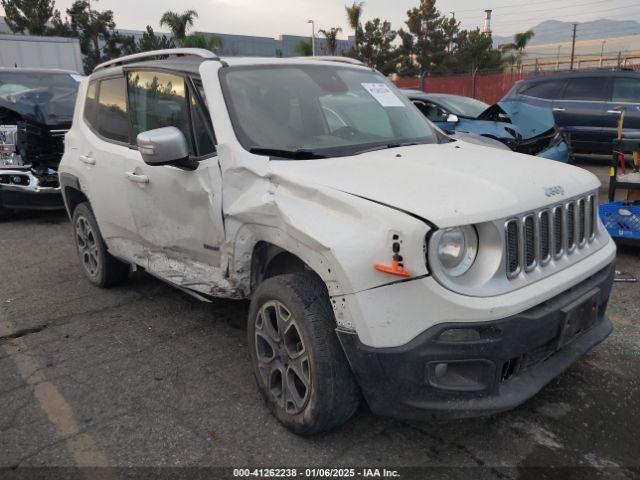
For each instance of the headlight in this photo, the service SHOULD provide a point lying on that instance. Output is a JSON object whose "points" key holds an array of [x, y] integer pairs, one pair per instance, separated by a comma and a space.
{"points": [[455, 250], [8, 155]]}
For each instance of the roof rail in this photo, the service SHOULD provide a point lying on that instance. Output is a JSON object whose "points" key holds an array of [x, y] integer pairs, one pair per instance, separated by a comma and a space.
{"points": [[329, 58], [170, 52]]}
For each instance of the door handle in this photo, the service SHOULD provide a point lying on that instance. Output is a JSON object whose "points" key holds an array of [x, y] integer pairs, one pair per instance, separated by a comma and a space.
{"points": [[615, 112], [137, 178], [559, 109], [88, 159]]}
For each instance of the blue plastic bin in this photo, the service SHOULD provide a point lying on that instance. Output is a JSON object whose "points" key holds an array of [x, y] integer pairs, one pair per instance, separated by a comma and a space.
{"points": [[621, 221]]}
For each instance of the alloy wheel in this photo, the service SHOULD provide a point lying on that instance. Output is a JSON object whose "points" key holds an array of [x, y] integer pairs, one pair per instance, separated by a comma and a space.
{"points": [[283, 359], [87, 246]]}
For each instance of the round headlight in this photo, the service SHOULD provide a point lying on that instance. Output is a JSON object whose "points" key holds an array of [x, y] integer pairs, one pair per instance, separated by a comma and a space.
{"points": [[456, 250]]}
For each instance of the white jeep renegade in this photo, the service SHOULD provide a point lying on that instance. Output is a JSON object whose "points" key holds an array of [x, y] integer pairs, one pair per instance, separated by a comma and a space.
{"points": [[382, 258]]}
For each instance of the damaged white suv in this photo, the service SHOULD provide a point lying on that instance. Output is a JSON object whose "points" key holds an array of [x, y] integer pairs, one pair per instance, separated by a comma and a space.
{"points": [[382, 259]]}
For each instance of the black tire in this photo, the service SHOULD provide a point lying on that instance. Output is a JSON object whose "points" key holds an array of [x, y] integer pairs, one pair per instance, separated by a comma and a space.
{"points": [[332, 395], [100, 267]]}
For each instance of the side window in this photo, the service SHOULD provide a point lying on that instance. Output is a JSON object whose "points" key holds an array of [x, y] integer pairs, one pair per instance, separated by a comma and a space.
{"points": [[586, 88], [626, 90], [90, 104], [158, 100], [112, 121], [205, 145], [547, 90], [431, 111]]}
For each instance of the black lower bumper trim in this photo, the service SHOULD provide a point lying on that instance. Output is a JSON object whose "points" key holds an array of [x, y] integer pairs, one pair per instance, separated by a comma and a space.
{"points": [[31, 201], [522, 353]]}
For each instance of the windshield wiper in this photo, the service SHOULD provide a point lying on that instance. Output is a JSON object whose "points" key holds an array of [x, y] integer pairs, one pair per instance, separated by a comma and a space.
{"points": [[299, 154], [387, 146]]}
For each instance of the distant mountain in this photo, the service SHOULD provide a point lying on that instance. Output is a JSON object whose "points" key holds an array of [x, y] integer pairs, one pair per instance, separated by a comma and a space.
{"points": [[554, 31]]}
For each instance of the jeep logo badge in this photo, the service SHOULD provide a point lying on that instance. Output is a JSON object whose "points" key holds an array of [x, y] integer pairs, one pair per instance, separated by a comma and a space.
{"points": [[553, 191]]}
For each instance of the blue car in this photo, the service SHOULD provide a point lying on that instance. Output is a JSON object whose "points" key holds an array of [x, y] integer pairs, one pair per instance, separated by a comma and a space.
{"points": [[522, 127]]}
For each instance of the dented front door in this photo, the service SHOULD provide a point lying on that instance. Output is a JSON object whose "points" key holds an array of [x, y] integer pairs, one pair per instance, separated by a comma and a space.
{"points": [[177, 212]]}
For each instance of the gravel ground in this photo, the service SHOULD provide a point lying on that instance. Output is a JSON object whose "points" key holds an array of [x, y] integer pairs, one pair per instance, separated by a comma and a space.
{"points": [[144, 375]]}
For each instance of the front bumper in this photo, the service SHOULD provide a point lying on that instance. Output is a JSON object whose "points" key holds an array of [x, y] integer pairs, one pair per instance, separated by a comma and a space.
{"points": [[513, 360], [33, 192]]}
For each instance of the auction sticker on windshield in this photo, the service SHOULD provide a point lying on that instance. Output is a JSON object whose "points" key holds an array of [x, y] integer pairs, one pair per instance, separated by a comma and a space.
{"points": [[383, 94]]}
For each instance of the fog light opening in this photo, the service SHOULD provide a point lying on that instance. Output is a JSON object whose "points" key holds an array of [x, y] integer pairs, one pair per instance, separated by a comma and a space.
{"points": [[465, 375]]}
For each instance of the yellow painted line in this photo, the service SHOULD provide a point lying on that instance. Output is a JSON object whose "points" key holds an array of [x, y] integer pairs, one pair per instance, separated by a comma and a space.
{"points": [[618, 320], [81, 445]]}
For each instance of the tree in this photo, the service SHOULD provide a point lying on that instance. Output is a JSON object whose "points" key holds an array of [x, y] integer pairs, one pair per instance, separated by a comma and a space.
{"points": [[520, 41], [354, 13], [150, 41], [404, 56], [200, 40], [179, 23], [304, 48], [474, 53], [430, 43], [29, 16], [332, 38], [376, 49]]}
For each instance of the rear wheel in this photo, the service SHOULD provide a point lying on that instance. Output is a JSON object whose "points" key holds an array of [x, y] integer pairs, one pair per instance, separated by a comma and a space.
{"points": [[100, 267], [298, 362]]}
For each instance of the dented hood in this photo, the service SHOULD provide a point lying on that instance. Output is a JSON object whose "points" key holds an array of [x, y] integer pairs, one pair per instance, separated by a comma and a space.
{"points": [[530, 120], [448, 184]]}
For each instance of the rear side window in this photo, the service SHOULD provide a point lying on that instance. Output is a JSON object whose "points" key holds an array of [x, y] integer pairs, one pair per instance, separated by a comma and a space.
{"points": [[90, 104], [626, 90], [112, 121], [157, 100], [586, 88], [547, 90]]}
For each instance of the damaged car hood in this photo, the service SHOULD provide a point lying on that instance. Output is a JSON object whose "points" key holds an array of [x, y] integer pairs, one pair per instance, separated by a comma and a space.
{"points": [[530, 120], [448, 184]]}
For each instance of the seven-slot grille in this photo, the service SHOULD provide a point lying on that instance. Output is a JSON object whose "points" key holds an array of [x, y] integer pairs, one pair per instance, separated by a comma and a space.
{"points": [[536, 238]]}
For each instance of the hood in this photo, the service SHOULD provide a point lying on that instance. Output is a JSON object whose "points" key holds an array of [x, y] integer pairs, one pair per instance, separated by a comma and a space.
{"points": [[530, 120], [448, 184], [52, 107]]}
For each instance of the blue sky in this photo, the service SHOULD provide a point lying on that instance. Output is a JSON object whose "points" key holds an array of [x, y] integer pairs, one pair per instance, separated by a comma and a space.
{"points": [[271, 17]]}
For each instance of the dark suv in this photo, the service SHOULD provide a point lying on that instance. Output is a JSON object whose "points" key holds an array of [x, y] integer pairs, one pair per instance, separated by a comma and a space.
{"points": [[587, 105]]}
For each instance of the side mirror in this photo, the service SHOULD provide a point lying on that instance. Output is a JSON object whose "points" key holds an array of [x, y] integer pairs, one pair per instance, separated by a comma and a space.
{"points": [[452, 118], [164, 146]]}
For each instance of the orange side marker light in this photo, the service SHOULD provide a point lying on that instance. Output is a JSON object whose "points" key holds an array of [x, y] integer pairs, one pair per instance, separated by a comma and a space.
{"points": [[396, 269]]}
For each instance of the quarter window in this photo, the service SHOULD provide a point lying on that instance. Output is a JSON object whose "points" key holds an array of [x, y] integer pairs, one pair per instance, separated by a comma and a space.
{"points": [[90, 104], [626, 90], [112, 121], [158, 100], [586, 88], [205, 145]]}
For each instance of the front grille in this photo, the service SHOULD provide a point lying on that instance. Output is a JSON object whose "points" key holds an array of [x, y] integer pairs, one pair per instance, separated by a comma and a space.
{"points": [[513, 260], [533, 239], [545, 239], [571, 226]]}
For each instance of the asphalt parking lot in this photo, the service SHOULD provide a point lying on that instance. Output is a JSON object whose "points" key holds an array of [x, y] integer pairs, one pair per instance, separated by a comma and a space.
{"points": [[144, 375]]}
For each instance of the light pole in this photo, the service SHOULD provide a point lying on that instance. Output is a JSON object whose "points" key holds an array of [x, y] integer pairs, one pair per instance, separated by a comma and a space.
{"points": [[313, 37], [558, 58], [602, 52]]}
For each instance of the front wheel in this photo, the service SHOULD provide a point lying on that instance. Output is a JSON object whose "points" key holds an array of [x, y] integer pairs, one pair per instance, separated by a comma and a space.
{"points": [[100, 267], [298, 362]]}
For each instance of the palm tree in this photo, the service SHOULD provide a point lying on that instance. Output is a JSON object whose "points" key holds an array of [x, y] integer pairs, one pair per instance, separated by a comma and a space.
{"points": [[179, 23], [354, 12], [332, 38], [520, 41]]}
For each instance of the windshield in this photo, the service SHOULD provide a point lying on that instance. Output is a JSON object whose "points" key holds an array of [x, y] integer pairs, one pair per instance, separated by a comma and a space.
{"points": [[463, 106], [45, 97], [319, 110]]}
